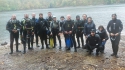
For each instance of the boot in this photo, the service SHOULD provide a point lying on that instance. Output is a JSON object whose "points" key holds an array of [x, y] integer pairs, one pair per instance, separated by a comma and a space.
{"points": [[42, 47], [17, 49]]}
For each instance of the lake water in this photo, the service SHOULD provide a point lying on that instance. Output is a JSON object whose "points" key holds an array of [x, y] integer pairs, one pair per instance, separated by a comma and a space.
{"points": [[100, 14]]}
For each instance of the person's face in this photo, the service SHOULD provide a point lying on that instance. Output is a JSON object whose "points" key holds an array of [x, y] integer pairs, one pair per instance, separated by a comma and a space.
{"points": [[54, 19], [68, 17], [26, 16], [78, 18], [33, 15], [89, 20], [13, 17], [84, 17], [92, 33], [40, 16], [49, 14], [100, 28], [113, 17], [62, 19]]}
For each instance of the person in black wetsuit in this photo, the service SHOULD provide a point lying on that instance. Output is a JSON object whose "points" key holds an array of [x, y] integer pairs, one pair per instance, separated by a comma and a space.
{"points": [[79, 26], [114, 28], [13, 26], [93, 41], [33, 21], [27, 32], [68, 29], [42, 27]]}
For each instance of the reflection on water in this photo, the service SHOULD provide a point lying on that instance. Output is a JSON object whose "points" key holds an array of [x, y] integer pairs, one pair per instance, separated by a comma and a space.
{"points": [[100, 14]]}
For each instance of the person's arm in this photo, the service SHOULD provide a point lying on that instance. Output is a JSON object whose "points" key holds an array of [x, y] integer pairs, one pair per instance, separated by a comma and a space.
{"points": [[84, 30], [121, 27], [8, 26], [108, 27], [106, 35]]}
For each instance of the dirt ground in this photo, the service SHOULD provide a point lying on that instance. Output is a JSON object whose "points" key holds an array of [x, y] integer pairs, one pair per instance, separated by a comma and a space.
{"points": [[55, 59]]}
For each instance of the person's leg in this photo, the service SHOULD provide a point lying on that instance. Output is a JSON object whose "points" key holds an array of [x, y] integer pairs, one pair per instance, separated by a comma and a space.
{"points": [[16, 40], [59, 39], [74, 42], [88, 47], [24, 42], [11, 43], [41, 38], [82, 39], [54, 38], [116, 46], [113, 44], [36, 36], [32, 39], [28, 37]]}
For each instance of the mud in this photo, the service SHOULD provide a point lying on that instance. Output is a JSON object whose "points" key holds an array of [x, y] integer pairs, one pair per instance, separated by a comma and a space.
{"points": [[55, 59]]}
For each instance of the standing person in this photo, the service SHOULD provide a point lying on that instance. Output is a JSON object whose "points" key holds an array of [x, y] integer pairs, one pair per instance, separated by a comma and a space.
{"points": [[49, 20], [79, 26], [93, 41], [27, 32], [33, 20], [114, 28], [103, 36], [42, 32], [89, 26], [56, 31], [13, 26], [84, 18], [68, 29]]}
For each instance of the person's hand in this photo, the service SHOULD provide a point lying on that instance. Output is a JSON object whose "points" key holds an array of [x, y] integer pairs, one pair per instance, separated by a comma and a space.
{"points": [[66, 32], [103, 40], [15, 31], [32, 33], [59, 34], [112, 34], [51, 34], [116, 34], [86, 37], [70, 32]]}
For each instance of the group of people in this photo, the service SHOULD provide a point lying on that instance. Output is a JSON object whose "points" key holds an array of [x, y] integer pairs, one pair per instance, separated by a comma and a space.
{"points": [[51, 27]]}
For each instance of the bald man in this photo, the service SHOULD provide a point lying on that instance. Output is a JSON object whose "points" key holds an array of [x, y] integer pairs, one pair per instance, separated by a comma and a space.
{"points": [[13, 26], [68, 29], [27, 32]]}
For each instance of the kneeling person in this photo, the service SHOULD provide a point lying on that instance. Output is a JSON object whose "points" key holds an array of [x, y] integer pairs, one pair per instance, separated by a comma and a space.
{"points": [[93, 41]]}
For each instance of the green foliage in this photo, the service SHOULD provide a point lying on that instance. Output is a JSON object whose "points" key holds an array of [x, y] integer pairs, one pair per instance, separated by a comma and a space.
{"points": [[6, 5]]}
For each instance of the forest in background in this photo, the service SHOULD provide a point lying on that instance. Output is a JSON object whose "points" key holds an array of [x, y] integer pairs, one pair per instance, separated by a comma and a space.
{"points": [[12, 5]]}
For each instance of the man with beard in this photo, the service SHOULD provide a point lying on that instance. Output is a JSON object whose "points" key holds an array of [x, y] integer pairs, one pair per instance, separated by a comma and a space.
{"points": [[42, 28], [27, 32], [13, 26], [79, 26], [114, 28]]}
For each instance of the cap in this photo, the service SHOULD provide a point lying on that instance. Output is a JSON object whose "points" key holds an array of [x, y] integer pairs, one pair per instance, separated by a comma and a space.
{"points": [[93, 30]]}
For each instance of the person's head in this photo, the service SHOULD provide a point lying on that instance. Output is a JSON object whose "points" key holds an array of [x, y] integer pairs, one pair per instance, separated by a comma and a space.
{"points": [[114, 16], [100, 28], [77, 17], [93, 32], [89, 19], [13, 16], [54, 18], [84, 16], [33, 15], [62, 18], [68, 17], [26, 15], [49, 14], [41, 15]]}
